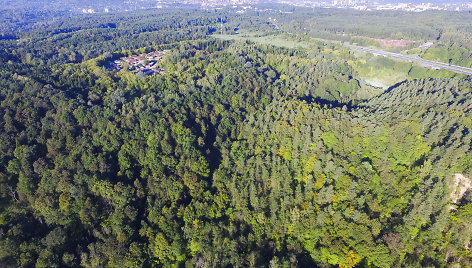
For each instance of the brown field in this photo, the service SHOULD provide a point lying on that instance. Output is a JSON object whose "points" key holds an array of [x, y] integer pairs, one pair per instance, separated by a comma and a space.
{"points": [[388, 43]]}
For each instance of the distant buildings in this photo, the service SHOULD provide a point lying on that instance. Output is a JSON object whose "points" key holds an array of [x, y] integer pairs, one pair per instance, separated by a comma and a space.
{"points": [[364, 5], [345, 3], [89, 10], [215, 3], [410, 7], [243, 5]]}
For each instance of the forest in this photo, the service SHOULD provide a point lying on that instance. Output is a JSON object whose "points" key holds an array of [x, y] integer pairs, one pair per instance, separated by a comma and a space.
{"points": [[242, 154]]}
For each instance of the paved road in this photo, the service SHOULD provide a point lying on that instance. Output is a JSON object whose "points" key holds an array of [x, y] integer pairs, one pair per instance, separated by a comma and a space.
{"points": [[423, 62]]}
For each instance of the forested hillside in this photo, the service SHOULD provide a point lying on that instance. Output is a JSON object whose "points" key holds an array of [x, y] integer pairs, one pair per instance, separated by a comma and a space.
{"points": [[241, 155]]}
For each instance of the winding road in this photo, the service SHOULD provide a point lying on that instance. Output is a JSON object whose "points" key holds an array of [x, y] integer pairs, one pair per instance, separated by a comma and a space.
{"points": [[423, 62]]}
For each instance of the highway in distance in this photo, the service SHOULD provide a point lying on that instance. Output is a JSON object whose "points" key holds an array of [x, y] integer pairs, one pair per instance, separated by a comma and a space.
{"points": [[425, 63]]}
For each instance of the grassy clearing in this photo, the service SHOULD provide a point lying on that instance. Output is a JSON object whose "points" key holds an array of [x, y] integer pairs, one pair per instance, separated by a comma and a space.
{"points": [[373, 80], [274, 40], [375, 74], [379, 77], [379, 72], [384, 72]]}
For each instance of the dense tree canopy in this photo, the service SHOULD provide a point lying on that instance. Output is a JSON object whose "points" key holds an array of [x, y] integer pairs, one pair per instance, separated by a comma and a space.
{"points": [[243, 154]]}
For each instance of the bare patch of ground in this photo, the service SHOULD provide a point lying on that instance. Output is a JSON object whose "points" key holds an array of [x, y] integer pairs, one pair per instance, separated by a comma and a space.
{"points": [[388, 43], [458, 186]]}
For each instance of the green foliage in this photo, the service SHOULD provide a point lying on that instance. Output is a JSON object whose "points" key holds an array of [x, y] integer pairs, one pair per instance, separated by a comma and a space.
{"points": [[365, 42], [329, 139], [449, 54], [242, 155]]}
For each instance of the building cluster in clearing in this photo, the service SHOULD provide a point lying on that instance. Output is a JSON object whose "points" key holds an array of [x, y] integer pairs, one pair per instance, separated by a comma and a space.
{"points": [[144, 64]]}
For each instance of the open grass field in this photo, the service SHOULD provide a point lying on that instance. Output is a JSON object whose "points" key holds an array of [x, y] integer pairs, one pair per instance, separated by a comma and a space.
{"points": [[375, 74], [275, 40]]}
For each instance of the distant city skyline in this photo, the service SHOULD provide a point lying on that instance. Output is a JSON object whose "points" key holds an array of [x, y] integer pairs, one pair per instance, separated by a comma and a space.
{"points": [[104, 6]]}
